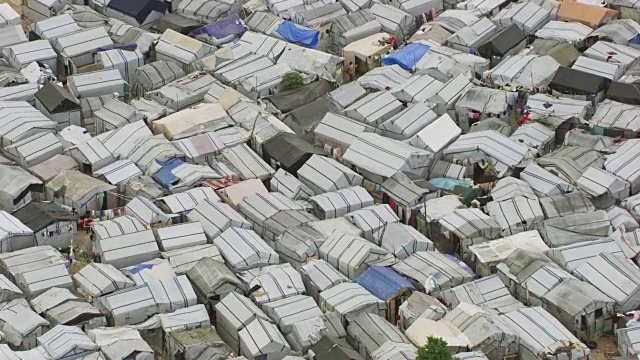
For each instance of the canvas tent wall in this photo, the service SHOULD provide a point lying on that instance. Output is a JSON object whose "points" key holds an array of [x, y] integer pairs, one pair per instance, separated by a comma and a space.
{"points": [[8, 16], [243, 249], [350, 298], [368, 332], [351, 255], [155, 75], [358, 24], [97, 83], [576, 228], [529, 71], [576, 84], [80, 191], [561, 31], [49, 29], [76, 50], [127, 250], [319, 276], [101, 279], [58, 104], [374, 108], [183, 92], [622, 161], [234, 312], [247, 163], [175, 47], [11, 35], [322, 174], [605, 188], [216, 217], [384, 77], [573, 255], [394, 21], [17, 185], [611, 71], [464, 227], [473, 36], [338, 203]]}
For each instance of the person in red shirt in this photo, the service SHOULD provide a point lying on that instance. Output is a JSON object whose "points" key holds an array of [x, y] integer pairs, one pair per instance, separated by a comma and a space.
{"points": [[394, 42]]}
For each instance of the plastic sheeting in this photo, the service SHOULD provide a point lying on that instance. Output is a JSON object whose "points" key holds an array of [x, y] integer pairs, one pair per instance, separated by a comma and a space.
{"points": [[407, 57], [298, 35]]}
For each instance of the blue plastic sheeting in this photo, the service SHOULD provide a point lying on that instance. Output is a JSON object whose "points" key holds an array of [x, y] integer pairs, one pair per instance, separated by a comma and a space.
{"points": [[383, 282], [407, 57], [447, 183], [298, 35], [222, 28], [461, 264], [138, 9], [140, 267], [635, 40], [164, 176]]}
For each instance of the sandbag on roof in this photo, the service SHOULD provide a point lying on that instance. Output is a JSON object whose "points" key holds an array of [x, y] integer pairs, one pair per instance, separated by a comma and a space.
{"points": [[576, 228], [435, 271], [351, 255], [338, 203], [244, 249], [100, 279]]}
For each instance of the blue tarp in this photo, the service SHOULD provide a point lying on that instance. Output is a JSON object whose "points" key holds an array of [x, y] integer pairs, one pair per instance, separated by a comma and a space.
{"points": [[164, 176], [447, 183], [138, 9], [383, 282], [298, 34], [222, 28], [407, 57]]}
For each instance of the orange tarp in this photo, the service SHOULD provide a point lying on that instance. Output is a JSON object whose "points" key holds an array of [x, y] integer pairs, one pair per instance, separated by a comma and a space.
{"points": [[589, 15]]}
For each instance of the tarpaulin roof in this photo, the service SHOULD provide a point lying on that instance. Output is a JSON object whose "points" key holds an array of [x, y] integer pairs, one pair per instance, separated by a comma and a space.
{"points": [[407, 57], [222, 28], [383, 282], [164, 177], [298, 35], [139, 9]]}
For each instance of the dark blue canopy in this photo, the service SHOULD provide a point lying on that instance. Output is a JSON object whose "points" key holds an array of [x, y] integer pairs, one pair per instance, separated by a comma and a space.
{"points": [[222, 28], [407, 57], [138, 9], [298, 34], [383, 282], [164, 177]]}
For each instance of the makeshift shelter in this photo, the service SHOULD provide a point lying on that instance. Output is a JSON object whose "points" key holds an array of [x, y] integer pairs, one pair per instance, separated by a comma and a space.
{"points": [[563, 53], [418, 88], [287, 151], [368, 332], [205, 11], [193, 342], [180, 236], [143, 14], [212, 280], [542, 336], [247, 163], [579, 85], [573, 255], [298, 244], [125, 61], [118, 173], [435, 271], [608, 70], [275, 282], [21, 55], [80, 191], [402, 240], [473, 36], [100, 279], [488, 293], [586, 302], [97, 83], [11, 35], [336, 132], [622, 92], [424, 328], [129, 306], [487, 255], [175, 47], [624, 56], [394, 21], [403, 194], [8, 16], [129, 249], [120, 342], [464, 227], [91, 155], [147, 150], [622, 219], [386, 285], [318, 16], [623, 161], [351, 255], [622, 31], [338, 203], [50, 223], [49, 29], [183, 259], [216, 217], [117, 226], [273, 213], [288, 185], [322, 174], [358, 24], [289, 312], [146, 211], [613, 276], [574, 33], [508, 41], [115, 114], [76, 50], [58, 104], [528, 71], [14, 235], [516, 215], [221, 31], [409, 122], [243, 249], [262, 338], [350, 298], [528, 16], [564, 205], [155, 75], [571, 229], [385, 77], [21, 325], [586, 14], [479, 103], [543, 182], [603, 187], [374, 108], [448, 95], [234, 71], [372, 219], [364, 53], [319, 276], [367, 156], [16, 187], [233, 313], [184, 92]]}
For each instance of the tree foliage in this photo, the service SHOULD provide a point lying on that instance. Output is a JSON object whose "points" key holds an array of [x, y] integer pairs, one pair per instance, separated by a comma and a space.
{"points": [[292, 80], [434, 349]]}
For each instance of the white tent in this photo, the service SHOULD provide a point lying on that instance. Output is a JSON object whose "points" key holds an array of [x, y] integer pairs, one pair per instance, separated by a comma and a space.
{"points": [[384, 78], [288, 185], [358, 24], [543, 182], [19, 120], [21, 325], [184, 92], [615, 53], [243, 249], [51, 28], [610, 70], [182, 49], [510, 187], [21, 55], [118, 173], [563, 108], [247, 163], [323, 174], [180, 236], [97, 83], [261, 338], [66, 342], [622, 219], [444, 329], [604, 187], [34, 149], [8, 16], [368, 332], [35, 282], [127, 250], [115, 114], [100, 279], [614, 276], [374, 108], [628, 341], [574, 255], [319, 276], [539, 138], [319, 13], [434, 270], [561, 31], [347, 298], [204, 11], [541, 334], [614, 116], [453, 20], [623, 162], [391, 350], [312, 62], [183, 259], [117, 226], [528, 71], [352, 255], [212, 280], [78, 48], [338, 203], [81, 192], [147, 150], [484, 103], [121, 141], [516, 215], [291, 314], [14, 235], [130, 306], [172, 293], [336, 133], [378, 158], [25, 92], [489, 293], [487, 255], [234, 71], [470, 226], [437, 135], [233, 313], [120, 342], [216, 217], [372, 219], [473, 35], [275, 282], [11, 35], [146, 211], [448, 95], [127, 62], [576, 228], [265, 82], [394, 21], [409, 122], [155, 75], [418, 88], [528, 16], [402, 240], [92, 155]]}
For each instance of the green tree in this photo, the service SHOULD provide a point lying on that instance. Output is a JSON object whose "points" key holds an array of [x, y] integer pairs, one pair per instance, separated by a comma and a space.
{"points": [[292, 80], [434, 349]]}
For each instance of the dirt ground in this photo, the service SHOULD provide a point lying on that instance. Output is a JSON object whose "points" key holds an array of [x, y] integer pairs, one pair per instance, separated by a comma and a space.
{"points": [[606, 348], [17, 6]]}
